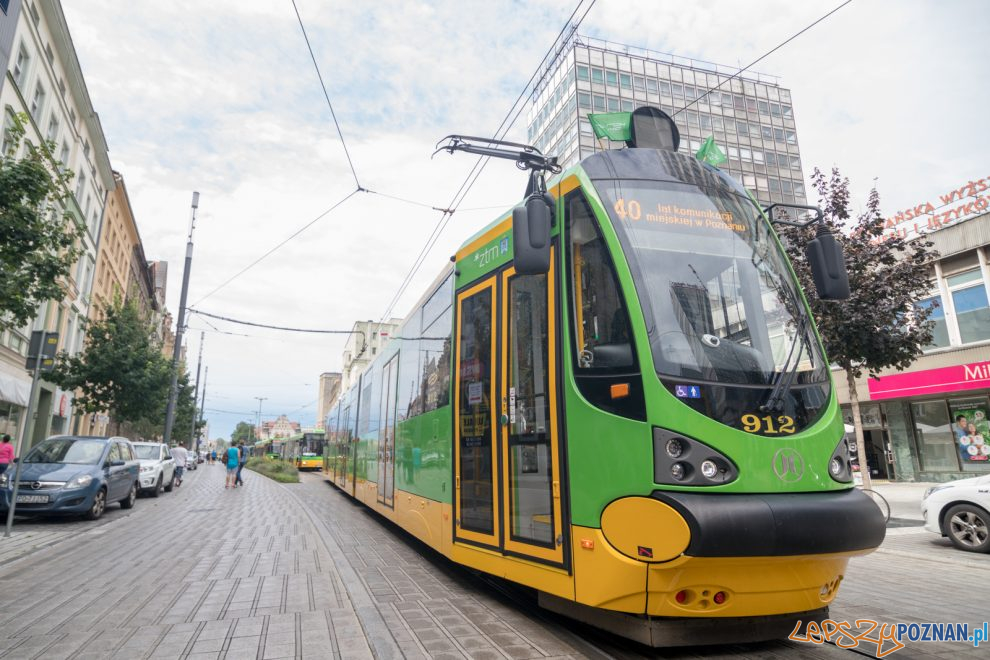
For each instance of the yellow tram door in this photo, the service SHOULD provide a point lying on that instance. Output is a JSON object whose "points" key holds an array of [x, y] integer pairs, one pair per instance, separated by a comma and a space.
{"points": [[476, 503], [528, 425]]}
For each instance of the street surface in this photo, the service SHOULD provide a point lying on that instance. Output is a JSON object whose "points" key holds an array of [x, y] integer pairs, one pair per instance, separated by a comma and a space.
{"points": [[299, 571]]}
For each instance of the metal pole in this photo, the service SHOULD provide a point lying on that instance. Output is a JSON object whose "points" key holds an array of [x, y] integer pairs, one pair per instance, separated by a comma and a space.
{"points": [[260, 399], [173, 393], [28, 424], [199, 366], [201, 406]]}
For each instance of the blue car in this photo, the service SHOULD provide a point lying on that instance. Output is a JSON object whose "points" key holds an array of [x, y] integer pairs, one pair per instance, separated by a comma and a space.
{"points": [[70, 474]]}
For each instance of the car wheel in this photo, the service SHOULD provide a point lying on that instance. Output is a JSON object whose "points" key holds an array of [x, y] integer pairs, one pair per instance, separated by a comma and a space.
{"points": [[99, 505], [968, 527], [131, 498], [159, 487], [171, 484]]}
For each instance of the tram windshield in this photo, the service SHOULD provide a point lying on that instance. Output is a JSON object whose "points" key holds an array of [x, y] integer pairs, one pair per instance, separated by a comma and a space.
{"points": [[716, 291]]}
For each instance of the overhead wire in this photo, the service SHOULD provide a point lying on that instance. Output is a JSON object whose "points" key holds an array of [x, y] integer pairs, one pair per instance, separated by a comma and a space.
{"points": [[271, 251], [762, 57], [271, 327], [482, 161], [326, 95]]}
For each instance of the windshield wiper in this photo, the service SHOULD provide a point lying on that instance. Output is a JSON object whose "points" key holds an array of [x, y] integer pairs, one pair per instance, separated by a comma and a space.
{"points": [[785, 379]]}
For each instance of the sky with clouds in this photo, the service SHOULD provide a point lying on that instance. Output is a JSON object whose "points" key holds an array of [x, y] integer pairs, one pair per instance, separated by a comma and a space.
{"points": [[221, 97]]}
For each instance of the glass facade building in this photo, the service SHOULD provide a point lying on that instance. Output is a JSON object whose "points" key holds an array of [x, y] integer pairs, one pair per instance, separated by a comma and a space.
{"points": [[750, 117]]}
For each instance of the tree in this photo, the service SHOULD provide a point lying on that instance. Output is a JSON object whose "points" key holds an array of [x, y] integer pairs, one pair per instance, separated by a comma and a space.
{"points": [[121, 370], [880, 326], [39, 237], [243, 432]]}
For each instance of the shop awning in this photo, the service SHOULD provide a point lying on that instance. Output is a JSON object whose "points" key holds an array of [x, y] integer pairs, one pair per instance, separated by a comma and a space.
{"points": [[15, 385]]}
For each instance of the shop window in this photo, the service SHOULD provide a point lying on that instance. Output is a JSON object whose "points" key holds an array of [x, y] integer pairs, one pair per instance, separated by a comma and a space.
{"points": [[936, 439], [971, 430]]}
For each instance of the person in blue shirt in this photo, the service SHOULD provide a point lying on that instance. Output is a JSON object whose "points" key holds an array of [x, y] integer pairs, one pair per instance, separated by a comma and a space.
{"points": [[233, 463]]}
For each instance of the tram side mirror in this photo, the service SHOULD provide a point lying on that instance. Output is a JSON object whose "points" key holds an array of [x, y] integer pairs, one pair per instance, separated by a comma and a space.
{"points": [[531, 235], [828, 266]]}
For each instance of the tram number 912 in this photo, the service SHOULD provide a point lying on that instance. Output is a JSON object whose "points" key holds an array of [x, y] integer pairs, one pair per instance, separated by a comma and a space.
{"points": [[766, 425]]}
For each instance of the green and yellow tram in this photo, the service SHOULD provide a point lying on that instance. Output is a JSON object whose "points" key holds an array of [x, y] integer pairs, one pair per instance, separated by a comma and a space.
{"points": [[615, 395]]}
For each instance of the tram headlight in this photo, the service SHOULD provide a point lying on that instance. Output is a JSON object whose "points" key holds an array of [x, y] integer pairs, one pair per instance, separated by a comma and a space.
{"points": [[840, 464], [709, 469], [686, 461]]}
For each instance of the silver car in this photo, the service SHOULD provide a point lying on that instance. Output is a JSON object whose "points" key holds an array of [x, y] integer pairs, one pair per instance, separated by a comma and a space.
{"points": [[157, 467]]}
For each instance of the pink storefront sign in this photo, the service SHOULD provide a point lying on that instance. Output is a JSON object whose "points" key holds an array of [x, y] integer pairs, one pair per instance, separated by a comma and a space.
{"points": [[931, 381]]}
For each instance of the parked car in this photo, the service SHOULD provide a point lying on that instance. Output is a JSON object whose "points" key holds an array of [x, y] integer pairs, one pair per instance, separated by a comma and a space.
{"points": [[190, 459], [960, 510], [74, 474], [157, 467]]}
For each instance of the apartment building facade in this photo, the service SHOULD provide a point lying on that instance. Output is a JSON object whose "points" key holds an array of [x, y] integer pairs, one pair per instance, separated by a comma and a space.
{"points": [[43, 80]]}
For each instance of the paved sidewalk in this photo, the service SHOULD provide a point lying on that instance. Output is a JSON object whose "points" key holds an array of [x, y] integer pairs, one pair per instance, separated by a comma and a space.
{"points": [[206, 572]]}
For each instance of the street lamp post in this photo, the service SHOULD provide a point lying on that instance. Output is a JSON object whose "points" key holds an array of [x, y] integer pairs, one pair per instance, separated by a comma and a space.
{"points": [[173, 392], [260, 399]]}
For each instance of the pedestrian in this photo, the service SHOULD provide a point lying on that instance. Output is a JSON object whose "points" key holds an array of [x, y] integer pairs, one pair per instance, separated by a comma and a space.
{"points": [[233, 461], [180, 456], [242, 459], [6, 453], [213, 456]]}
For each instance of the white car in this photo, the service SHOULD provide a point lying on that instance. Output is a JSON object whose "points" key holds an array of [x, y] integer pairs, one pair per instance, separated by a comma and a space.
{"points": [[157, 467], [960, 510]]}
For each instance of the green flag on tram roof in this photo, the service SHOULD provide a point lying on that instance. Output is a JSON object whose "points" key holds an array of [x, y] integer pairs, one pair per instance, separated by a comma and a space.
{"points": [[710, 153], [612, 125]]}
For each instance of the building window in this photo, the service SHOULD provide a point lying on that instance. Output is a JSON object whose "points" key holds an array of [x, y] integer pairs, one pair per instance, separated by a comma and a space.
{"points": [[652, 87], [613, 105], [52, 133], [625, 81], [969, 300], [584, 100], [38, 102], [598, 76], [599, 103], [627, 105], [583, 73], [21, 66], [611, 78]]}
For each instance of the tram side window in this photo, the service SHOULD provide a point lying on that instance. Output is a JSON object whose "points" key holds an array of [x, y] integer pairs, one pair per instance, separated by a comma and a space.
{"points": [[410, 402], [434, 373], [601, 321]]}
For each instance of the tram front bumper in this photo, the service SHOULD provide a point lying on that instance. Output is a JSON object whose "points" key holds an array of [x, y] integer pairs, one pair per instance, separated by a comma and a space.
{"points": [[732, 555]]}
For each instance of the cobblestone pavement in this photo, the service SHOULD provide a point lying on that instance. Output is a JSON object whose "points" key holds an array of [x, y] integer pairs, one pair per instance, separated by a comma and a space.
{"points": [[299, 571]]}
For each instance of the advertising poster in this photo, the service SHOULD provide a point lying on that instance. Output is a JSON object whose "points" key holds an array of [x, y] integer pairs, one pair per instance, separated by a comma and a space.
{"points": [[971, 428]]}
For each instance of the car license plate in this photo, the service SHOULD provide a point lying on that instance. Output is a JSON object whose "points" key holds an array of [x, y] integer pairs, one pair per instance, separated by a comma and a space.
{"points": [[32, 499]]}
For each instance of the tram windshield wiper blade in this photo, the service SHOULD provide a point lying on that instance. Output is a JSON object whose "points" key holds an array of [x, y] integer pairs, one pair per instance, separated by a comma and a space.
{"points": [[782, 385]]}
